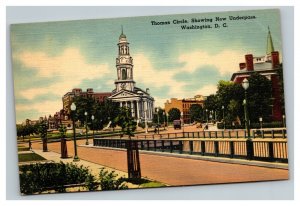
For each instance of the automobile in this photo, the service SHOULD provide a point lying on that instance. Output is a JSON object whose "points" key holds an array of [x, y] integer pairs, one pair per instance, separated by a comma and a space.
{"points": [[177, 124]]}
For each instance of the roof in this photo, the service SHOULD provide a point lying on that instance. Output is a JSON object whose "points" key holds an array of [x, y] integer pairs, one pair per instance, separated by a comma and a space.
{"points": [[264, 66]]}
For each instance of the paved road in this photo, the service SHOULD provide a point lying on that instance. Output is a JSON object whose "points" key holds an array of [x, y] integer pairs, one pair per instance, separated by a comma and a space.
{"points": [[175, 171]]}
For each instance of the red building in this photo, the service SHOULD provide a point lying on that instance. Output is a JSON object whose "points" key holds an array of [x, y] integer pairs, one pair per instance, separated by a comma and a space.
{"points": [[68, 97], [267, 66]]}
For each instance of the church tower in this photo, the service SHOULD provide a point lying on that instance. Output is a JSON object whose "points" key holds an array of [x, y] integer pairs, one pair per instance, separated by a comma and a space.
{"points": [[270, 46], [124, 65], [126, 94]]}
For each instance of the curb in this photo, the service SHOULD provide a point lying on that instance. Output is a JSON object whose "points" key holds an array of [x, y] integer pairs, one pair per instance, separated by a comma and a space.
{"points": [[205, 158]]}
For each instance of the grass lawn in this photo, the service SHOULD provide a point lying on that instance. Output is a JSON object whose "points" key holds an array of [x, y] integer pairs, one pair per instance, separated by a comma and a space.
{"points": [[22, 148], [144, 183], [30, 157], [152, 184]]}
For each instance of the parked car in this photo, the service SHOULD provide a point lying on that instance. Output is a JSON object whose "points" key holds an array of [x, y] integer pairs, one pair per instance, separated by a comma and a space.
{"points": [[177, 124]]}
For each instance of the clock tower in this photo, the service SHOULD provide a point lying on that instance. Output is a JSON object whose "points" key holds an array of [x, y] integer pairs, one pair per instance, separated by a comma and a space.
{"points": [[126, 94], [124, 64]]}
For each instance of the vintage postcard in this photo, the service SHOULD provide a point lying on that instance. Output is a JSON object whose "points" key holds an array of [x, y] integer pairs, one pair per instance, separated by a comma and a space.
{"points": [[154, 101]]}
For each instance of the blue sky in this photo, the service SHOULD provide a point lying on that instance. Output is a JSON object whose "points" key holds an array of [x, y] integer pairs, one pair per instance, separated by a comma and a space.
{"points": [[49, 59]]}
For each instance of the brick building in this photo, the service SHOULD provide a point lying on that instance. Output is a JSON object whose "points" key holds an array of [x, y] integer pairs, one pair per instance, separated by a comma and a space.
{"points": [[266, 65], [67, 99], [184, 105]]}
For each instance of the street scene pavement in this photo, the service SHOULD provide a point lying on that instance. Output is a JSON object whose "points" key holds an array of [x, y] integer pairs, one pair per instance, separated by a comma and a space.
{"points": [[171, 170]]}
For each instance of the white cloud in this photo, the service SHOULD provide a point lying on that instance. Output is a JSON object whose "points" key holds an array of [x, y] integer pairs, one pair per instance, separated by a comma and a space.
{"points": [[226, 61], [70, 68], [43, 108], [146, 74], [208, 89]]}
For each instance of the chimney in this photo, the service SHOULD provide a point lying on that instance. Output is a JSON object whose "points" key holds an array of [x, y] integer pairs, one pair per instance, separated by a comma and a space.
{"points": [[89, 90], [242, 66], [275, 59], [249, 62]]}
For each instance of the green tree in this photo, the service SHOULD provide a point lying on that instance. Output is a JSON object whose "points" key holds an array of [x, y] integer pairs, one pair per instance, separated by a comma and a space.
{"points": [[159, 114], [259, 98], [126, 122], [281, 87], [231, 96], [62, 131], [230, 93], [84, 104], [43, 133], [196, 112], [211, 102], [174, 114], [111, 111]]}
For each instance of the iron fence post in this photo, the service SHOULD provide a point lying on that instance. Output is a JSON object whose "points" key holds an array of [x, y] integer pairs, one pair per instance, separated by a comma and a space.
{"points": [[249, 145]]}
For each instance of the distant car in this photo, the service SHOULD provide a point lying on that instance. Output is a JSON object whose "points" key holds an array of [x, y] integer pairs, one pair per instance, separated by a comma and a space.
{"points": [[177, 124]]}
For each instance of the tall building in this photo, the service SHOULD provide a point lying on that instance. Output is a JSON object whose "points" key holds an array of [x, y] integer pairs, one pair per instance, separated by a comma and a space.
{"points": [[126, 93], [67, 99], [184, 105], [266, 65]]}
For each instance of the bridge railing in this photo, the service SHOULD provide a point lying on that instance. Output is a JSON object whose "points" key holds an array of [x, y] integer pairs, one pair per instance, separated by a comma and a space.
{"points": [[257, 149], [255, 133]]}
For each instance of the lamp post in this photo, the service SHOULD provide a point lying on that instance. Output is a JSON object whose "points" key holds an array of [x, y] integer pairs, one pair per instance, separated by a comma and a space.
{"points": [[157, 112], [86, 136], [223, 116], [245, 85], [182, 123], [93, 117], [73, 108], [206, 116], [283, 120], [146, 123], [164, 120], [260, 120], [167, 120]]}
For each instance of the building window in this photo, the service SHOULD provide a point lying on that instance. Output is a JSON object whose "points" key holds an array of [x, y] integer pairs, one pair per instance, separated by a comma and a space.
{"points": [[124, 73]]}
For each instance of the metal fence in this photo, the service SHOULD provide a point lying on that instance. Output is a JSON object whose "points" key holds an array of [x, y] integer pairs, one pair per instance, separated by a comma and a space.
{"points": [[255, 133], [256, 149]]}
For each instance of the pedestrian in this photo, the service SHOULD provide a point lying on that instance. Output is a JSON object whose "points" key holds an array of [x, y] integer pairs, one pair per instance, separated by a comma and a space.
{"points": [[30, 148]]}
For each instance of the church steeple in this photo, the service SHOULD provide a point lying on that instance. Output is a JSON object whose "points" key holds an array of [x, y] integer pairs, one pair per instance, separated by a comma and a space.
{"points": [[270, 47], [124, 64]]}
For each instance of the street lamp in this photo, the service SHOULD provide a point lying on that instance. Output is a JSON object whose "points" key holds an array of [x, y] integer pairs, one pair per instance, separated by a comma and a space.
{"points": [[164, 120], [73, 108], [283, 120], [167, 120], [86, 136], [93, 117], [182, 123], [245, 85], [260, 120], [146, 123], [223, 116], [157, 112]]}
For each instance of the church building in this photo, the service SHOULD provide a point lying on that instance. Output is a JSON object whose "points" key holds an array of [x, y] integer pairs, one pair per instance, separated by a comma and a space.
{"points": [[268, 66], [126, 93]]}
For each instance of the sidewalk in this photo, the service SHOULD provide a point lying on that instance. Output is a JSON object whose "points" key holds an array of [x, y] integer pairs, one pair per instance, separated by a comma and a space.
{"points": [[95, 168]]}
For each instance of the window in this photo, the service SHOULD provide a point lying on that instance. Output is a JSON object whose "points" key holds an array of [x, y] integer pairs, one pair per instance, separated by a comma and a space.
{"points": [[124, 73]]}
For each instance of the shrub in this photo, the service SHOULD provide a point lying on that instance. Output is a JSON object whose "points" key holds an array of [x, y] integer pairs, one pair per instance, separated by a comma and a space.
{"points": [[36, 178], [108, 181], [141, 124]]}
